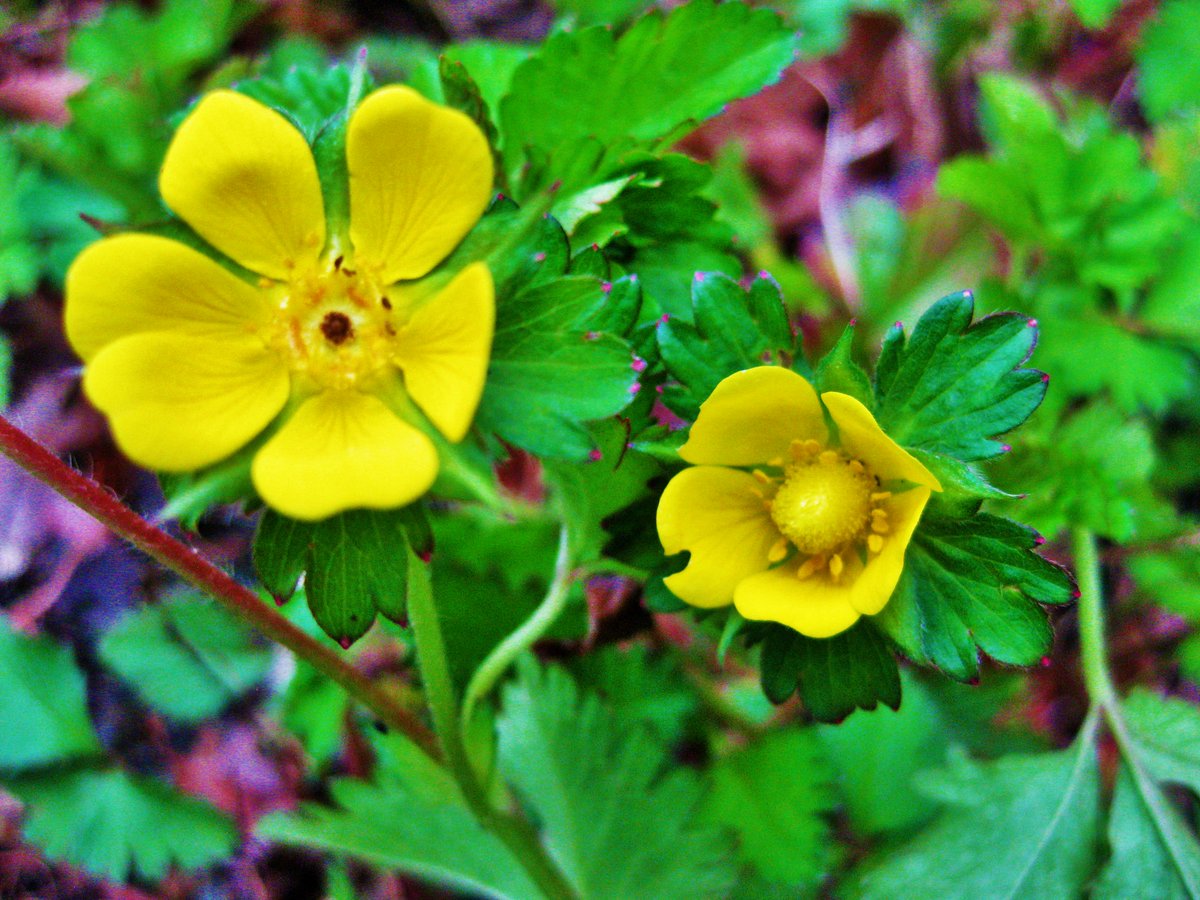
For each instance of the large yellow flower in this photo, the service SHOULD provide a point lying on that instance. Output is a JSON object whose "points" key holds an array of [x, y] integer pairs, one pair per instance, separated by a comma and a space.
{"points": [[814, 537], [191, 361]]}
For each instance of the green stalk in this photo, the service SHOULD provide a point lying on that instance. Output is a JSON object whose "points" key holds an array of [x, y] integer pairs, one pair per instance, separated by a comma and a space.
{"points": [[520, 839], [1091, 620], [524, 637]]}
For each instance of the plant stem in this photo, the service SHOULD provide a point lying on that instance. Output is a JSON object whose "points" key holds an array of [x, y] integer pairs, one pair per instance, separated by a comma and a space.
{"points": [[520, 839], [181, 559], [524, 637], [1091, 620]]}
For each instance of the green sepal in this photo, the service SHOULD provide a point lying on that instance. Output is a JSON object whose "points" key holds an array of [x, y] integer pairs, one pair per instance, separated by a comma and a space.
{"points": [[834, 676], [969, 585], [732, 329], [837, 371], [329, 151], [309, 97], [350, 563], [955, 386], [460, 91]]}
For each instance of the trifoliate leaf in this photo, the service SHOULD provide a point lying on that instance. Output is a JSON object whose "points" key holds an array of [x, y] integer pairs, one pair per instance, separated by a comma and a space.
{"points": [[1023, 826], [185, 657], [1167, 735], [834, 676], [113, 824], [954, 386], [413, 819], [612, 805], [775, 796], [663, 73], [1143, 862], [1169, 61], [353, 564], [43, 710], [877, 754], [731, 329], [973, 584]]}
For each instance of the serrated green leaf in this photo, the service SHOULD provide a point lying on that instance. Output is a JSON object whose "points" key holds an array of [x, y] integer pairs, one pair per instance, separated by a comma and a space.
{"points": [[837, 371], [185, 657], [113, 824], [43, 710], [973, 583], [730, 333], [960, 481], [551, 373], [354, 564], [1172, 305], [1169, 61], [834, 676], [1167, 731], [662, 73], [310, 97], [1171, 579], [954, 386], [412, 819], [314, 709], [1023, 826], [644, 688], [611, 805], [775, 796]]}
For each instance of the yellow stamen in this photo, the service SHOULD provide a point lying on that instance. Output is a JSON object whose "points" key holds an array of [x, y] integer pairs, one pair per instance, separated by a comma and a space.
{"points": [[880, 496], [874, 543], [829, 457], [857, 467], [761, 476], [810, 566], [836, 566], [879, 527], [778, 550]]}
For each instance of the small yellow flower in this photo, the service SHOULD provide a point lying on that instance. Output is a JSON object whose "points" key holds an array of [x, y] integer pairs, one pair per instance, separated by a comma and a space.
{"points": [[192, 362], [815, 535]]}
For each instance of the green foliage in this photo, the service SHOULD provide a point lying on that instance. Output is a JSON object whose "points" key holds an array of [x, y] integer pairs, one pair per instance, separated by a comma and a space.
{"points": [[877, 756], [414, 819], [611, 807], [314, 708], [730, 329], [837, 371], [1087, 469], [112, 824], [973, 583], [954, 386], [351, 563], [1023, 826], [834, 676], [1095, 14], [775, 796], [1169, 71], [186, 657], [646, 690], [43, 713], [141, 68], [586, 97]]}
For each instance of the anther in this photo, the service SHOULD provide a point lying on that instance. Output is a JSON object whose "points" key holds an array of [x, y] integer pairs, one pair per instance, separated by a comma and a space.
{"points": [[880, 496], [879, 527], [778, 550], [875, 543], [761, 477], [385, 303], [836, 566], [880, 515], [776, 463], [797, 450], [829, 457], [812, 446], [856, 467], [811, 565]]}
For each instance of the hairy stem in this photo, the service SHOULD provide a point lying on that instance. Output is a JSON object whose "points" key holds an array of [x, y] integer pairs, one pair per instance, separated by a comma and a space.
{"points": [[1091, 620], [97, 502], [516, 834]]}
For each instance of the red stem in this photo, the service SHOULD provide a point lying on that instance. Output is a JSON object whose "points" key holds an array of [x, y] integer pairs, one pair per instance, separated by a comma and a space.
{"points": [[96, 500]]}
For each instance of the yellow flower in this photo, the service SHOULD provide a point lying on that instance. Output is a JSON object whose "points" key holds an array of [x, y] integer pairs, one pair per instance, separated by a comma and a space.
{"points": [[192, 362], [814, 537]]}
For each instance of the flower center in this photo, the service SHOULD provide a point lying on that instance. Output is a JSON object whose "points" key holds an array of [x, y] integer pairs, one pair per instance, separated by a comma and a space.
{"points": [[824, 502], [333, 323]]}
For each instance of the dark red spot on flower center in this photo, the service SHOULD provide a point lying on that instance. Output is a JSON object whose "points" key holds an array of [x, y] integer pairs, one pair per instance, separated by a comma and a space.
{"points": [[337, 328]]}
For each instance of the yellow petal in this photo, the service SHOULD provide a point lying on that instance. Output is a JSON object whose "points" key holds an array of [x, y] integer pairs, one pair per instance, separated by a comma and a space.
{"points": [[753, 416], [343, 450], [178, 402], [862, 437], [716, 514], [874, 586], [814, 606], [244, 178], [136, 283], [420, 177], [444, 347]]}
